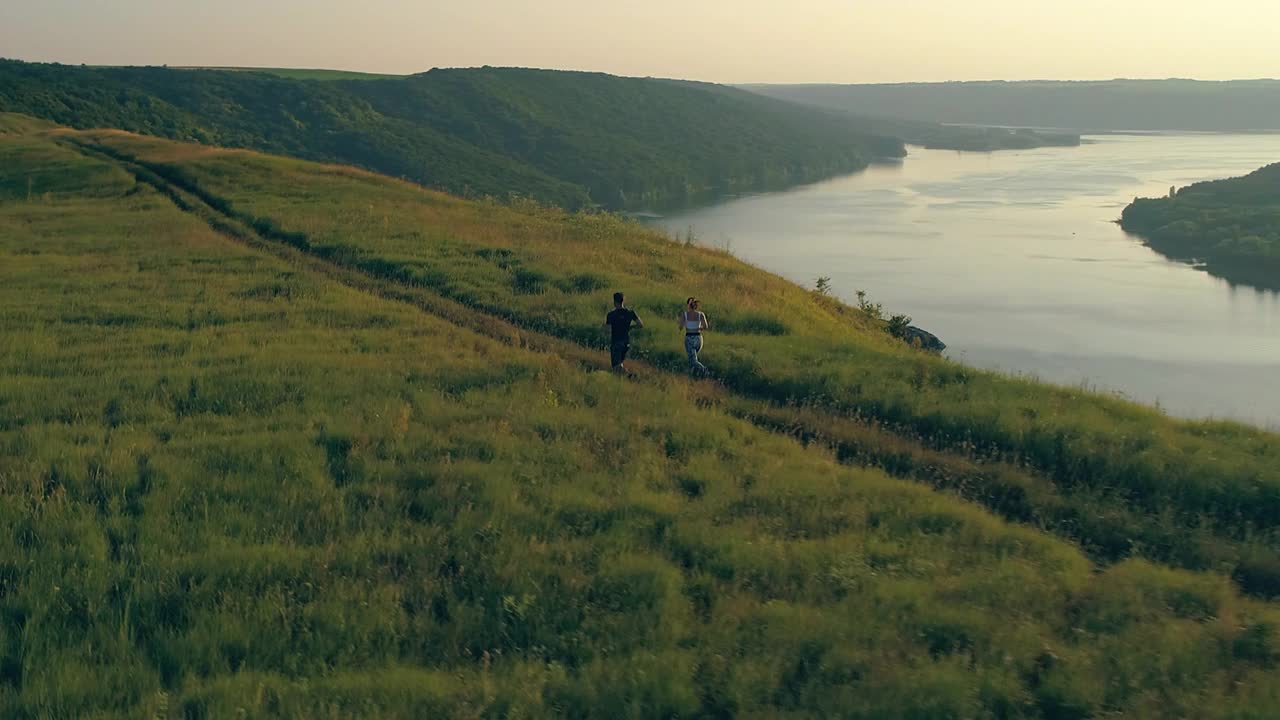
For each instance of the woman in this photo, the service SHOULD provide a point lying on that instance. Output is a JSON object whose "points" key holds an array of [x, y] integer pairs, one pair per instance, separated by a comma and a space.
{"points": [[694, 322]]}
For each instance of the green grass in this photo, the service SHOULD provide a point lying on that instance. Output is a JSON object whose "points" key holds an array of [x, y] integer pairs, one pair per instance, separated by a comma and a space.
{"points": [[13, 124], [1119, 478], [239, 479]]}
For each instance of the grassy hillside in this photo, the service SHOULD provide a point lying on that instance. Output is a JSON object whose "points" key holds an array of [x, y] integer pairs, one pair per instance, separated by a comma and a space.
{"points": [[1231, 226], [572, 139], [1118, 478], [290, 440], [1111, 105], [11, 124]]}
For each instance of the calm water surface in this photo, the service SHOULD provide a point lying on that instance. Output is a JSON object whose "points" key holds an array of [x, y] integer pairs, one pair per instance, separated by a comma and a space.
{"points": [[1014, 260]]}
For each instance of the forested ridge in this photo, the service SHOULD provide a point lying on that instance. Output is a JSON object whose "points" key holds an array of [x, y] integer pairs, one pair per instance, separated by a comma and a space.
{"points": [[567, 138]]}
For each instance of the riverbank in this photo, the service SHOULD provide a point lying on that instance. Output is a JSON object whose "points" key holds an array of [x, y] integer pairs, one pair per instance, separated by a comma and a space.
{"points": [[1016, 261]]}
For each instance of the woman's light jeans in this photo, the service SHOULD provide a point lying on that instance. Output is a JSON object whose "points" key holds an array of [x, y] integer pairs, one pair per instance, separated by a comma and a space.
{"points": [[693, 346]]}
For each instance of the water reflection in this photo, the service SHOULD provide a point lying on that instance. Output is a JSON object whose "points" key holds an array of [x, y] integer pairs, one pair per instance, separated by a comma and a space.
{"points": [[1015, 260]]}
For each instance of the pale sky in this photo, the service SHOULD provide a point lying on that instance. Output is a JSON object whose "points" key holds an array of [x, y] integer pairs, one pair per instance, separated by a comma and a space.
{"points": [[727, 41]]}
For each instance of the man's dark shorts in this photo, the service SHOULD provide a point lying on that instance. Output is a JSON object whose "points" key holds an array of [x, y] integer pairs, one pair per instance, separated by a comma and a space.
{"points": [[618, 353]]}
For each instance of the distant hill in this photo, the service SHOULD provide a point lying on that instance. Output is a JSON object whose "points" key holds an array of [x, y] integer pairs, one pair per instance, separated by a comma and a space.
{"points": [[1232, 226], [572, 139], [631, 142], [1113, 105], [302, 73]]}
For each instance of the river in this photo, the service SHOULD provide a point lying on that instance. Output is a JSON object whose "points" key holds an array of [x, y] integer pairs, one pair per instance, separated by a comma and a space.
{"points": [[1014, 260]]}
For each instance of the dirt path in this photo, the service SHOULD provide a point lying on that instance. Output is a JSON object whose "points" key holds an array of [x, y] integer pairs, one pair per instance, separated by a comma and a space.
{"points": [[1012, 491]]}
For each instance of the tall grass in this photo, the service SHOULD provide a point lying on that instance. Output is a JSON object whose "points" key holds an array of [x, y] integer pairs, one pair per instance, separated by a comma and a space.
{"points": [[234, 487], [1127, 480]]}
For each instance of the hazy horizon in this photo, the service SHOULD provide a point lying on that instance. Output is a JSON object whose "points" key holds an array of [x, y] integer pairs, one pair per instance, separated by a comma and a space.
{"points": [[224, 66], [182, 66], [739, 42]]}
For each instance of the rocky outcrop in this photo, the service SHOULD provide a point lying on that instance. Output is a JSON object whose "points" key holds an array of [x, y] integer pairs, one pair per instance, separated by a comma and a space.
{"points": [[923, 339]]}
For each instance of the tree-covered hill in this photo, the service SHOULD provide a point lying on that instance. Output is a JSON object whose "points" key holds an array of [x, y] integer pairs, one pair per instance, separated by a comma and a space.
{"points": [[573, 139], [1111, 105], [1232, 226], [300, 73], [631, 140], [315, 120]]}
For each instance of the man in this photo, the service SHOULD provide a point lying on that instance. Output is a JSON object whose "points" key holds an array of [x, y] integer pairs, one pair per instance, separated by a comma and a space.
{"points": [[620, 321]]}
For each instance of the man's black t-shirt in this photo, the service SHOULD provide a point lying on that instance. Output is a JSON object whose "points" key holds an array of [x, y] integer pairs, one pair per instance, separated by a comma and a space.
{"points": [[620, 322]]}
